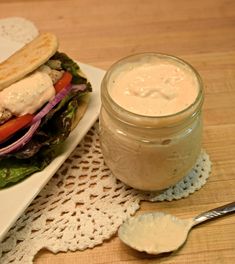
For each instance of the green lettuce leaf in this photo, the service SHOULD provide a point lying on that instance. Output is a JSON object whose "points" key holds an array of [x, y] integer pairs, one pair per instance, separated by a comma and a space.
{"points": [[13, 170], [69, 65]]}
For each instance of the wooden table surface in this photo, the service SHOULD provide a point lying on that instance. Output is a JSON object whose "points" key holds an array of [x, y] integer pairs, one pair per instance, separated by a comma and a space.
{"points": [[99, 32]]}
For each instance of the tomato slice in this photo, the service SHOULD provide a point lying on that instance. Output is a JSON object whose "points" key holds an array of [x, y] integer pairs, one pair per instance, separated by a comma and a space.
{"points": [[64, 81], [13, 125]]}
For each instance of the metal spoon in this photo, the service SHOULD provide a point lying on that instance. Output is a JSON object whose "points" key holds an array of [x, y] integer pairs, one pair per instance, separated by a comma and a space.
{"points": [[157, 232]]}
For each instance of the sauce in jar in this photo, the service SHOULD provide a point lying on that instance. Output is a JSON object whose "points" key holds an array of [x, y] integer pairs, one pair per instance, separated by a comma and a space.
{"points": [[150, 121], [155, 88]]}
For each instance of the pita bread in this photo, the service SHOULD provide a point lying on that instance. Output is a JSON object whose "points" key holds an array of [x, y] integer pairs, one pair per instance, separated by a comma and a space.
{"points": [[27, 59], [83, 104]]}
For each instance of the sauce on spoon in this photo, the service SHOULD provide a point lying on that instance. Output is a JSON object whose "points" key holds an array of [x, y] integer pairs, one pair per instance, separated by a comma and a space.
{"points": [[157, 233]]}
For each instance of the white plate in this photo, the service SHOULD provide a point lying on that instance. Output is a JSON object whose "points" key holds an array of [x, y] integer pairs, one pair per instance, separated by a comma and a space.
{"points": [[14, 200]]}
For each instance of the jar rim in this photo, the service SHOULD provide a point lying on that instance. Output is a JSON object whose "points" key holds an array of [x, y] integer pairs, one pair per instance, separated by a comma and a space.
{"points": [[196, 103]]}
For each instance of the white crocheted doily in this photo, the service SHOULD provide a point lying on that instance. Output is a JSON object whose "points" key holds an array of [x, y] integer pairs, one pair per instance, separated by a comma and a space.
{"points": [[83, 204]]}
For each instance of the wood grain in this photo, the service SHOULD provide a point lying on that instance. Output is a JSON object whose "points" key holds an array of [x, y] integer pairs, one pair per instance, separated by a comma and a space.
{"points": [[99, 32]]}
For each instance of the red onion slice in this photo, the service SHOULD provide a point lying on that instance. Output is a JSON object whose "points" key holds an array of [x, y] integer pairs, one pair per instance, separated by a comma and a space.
{"points": [[21, 141], [79, 87], [58, 97]]}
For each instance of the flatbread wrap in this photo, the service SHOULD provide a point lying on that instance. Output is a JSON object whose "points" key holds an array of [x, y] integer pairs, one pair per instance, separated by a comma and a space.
{"points": [[43, 96]]}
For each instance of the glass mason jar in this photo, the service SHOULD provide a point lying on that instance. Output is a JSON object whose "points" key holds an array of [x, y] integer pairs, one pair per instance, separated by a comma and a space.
{"points": [[149, 152]]}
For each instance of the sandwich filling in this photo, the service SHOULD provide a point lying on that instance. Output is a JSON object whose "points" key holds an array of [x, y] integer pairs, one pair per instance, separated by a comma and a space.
{"points": [[28, 95]]}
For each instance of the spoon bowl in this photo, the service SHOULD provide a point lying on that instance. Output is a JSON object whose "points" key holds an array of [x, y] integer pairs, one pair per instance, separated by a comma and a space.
{"points": [[157, 232]]}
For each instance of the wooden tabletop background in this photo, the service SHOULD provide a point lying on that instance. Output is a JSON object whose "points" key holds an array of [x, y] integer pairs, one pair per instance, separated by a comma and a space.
{"points": [[99, 32]]}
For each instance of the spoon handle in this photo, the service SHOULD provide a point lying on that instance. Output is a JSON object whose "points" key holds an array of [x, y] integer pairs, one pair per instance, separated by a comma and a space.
{"points": [[214, 213]]}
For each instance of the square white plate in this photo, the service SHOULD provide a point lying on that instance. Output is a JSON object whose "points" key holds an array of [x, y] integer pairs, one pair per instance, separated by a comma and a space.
{"points": [[14, 200]]}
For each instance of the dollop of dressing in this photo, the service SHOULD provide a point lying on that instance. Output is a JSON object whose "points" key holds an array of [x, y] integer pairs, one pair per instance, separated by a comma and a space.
{"points": [[155, 88], [155, 233], [27, 95]]}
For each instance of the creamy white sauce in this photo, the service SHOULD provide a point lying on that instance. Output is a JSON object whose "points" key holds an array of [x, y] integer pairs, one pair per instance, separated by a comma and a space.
{"points": [[156, 233], [155, 88], [27, 95]]}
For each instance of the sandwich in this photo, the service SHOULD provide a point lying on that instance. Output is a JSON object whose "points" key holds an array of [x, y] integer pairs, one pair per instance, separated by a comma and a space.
{"points": [[43, 95]]}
